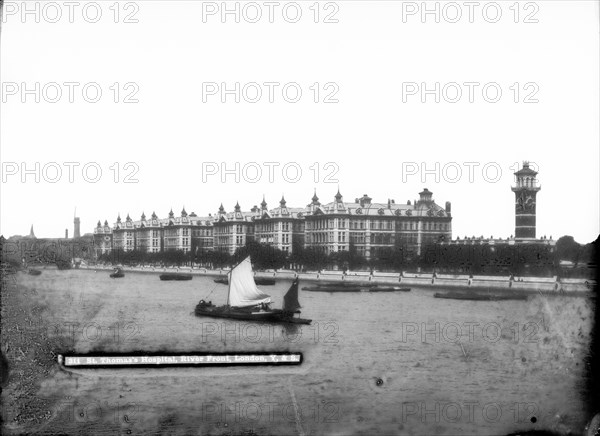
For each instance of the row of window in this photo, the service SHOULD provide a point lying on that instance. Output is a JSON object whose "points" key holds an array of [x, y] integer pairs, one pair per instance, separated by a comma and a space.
{"points": [[332, 248], [147, 235], [339, 237], [202, 232], [273, 227], [331, 223], [225, 230], [390, 224]]}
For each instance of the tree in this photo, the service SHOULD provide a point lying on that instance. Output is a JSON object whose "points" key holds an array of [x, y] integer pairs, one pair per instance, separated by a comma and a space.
{"points": [[218, 259], [263, 256], [312, 258], [567, 248]]}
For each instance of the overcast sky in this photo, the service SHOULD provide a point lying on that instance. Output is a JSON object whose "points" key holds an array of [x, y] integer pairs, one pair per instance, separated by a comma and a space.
{"points": [[374, 135]]}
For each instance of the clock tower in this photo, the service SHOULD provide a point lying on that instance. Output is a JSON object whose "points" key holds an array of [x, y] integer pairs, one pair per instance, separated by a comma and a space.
{"points": [[525, 191]]}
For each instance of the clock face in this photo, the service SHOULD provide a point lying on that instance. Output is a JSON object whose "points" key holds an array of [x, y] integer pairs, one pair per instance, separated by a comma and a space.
{"points": [[525, 201], [520, 202], [529, 203]]}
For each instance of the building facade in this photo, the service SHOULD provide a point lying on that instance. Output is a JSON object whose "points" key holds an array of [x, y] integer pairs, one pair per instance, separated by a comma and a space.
{"points": [[103, 238], [282, 228], [186, 233], [371, 227], [233, 230], [336, 226]]}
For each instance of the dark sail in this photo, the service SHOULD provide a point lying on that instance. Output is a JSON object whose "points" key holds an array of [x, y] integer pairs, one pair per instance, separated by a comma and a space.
{"points": [[290, 299]]}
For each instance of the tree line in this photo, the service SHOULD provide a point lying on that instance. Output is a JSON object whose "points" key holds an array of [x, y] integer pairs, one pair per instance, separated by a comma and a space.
{"points": [[501, 259]]}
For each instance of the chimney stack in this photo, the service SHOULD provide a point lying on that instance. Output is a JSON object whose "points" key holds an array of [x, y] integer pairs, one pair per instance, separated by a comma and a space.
{"points": [[76, 233]]}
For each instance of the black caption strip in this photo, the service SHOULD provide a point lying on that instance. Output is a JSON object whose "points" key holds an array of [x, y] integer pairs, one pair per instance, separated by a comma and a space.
{"points": [[169, 360]]}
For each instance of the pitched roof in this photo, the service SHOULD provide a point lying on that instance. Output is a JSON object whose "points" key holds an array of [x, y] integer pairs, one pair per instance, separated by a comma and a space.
{"points": [[383, 209]]}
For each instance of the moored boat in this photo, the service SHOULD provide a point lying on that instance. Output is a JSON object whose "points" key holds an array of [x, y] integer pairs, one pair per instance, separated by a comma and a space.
{"points": [[332, 288], [346, 284], [246, 302], [389, 289], [263, 281], [34, 272], [479, 296], [175, 276]]}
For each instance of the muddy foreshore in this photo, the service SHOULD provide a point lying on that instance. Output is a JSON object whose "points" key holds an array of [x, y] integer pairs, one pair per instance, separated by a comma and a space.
{"points": [[29, 357]]}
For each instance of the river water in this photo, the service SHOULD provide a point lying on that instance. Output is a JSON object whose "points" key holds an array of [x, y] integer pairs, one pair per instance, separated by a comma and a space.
{"points": [[374, 363]]}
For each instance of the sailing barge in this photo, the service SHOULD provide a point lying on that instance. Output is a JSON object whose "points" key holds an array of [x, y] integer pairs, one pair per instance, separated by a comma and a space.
{"points": [[246, 302]]}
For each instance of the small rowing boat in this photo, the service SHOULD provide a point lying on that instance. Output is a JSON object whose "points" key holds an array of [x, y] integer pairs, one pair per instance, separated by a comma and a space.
{"points": [[117, 273]]}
